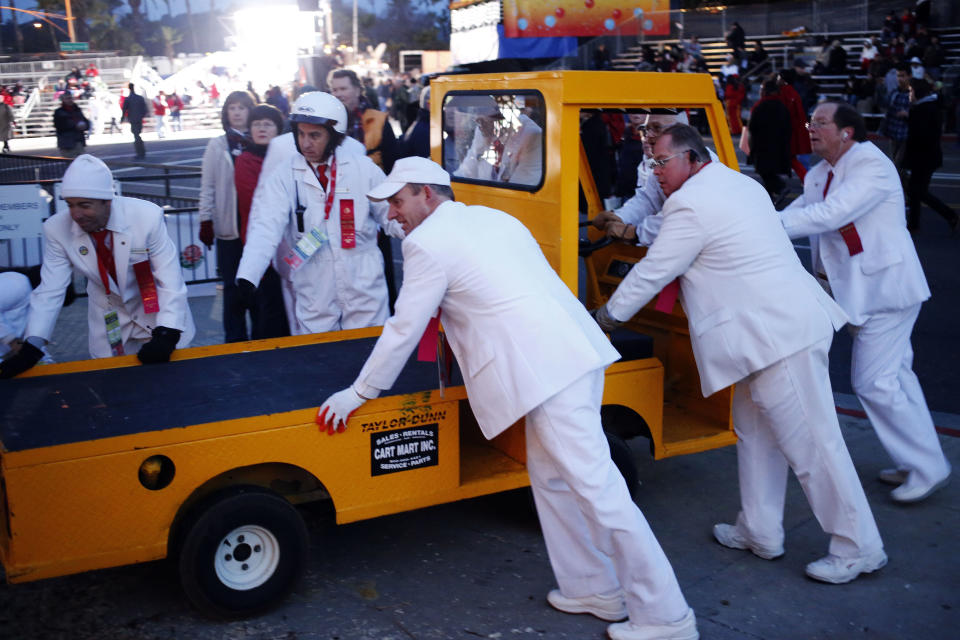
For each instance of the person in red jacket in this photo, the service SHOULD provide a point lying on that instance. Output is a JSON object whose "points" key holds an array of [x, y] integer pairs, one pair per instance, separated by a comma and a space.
{"points": [[268, 315], [799, 139], [734, 93], [159, 112], [175, 104]]}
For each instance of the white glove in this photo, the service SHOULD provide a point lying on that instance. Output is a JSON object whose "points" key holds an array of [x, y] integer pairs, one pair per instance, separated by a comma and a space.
{"points": [[337, 409]]}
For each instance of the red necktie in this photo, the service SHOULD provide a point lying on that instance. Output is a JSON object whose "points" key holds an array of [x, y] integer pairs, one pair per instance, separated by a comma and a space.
{"points": [[322, 176], [105, 260], [826, 187]]}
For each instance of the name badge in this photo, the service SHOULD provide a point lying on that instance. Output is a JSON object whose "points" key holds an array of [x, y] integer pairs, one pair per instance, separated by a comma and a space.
{"points": [[112, 321], [308, 245], [348, 229], [147, 285]]}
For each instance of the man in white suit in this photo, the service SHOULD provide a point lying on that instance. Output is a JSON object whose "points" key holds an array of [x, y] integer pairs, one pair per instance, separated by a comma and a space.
{"points": [[852, 207], [527, 348], [137, 296], [759, 320]]}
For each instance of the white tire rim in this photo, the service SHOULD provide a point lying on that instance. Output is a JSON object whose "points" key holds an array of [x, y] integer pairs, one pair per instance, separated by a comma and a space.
{"points": [[246, 557]]}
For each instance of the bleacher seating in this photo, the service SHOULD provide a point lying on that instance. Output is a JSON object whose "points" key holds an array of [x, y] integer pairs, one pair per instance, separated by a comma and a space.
{"points": [[783, 50], [115, 71]]}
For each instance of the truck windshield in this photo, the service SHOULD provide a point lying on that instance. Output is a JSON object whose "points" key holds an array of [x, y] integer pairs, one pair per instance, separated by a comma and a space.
{"points": [[495, 138]]}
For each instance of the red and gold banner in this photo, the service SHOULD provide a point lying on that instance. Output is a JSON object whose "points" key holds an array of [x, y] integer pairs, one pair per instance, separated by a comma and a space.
{"points": [[547, 18]]}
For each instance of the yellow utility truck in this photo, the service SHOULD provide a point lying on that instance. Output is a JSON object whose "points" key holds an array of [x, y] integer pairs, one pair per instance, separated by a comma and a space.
{"points": [[204, 459]]}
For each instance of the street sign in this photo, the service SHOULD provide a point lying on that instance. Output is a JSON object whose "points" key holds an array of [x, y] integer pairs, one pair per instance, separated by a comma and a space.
{"points": [[74, 46]]}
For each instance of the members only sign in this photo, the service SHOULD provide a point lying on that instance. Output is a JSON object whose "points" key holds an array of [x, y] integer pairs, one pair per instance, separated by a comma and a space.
{"points": [[21, 211], [403, 449]]}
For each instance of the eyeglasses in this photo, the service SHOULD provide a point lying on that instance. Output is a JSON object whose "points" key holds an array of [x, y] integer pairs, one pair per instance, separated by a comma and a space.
{"points": [[813, 124], [660, 164]]}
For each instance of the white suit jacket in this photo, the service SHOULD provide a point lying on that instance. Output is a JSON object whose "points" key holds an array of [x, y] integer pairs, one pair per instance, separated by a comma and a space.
{"points": [[748, 300], [139, 233], [866, 191], [518, 333], [642, 207], [14, 307]]}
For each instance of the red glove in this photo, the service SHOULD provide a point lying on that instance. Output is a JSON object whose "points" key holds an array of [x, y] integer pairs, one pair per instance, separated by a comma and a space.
{"points": [[206, 233]]}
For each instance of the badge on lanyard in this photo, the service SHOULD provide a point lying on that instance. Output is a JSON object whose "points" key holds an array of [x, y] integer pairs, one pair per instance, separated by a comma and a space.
{"points": [[114, 337], [308, 245], [348, 229], [147, 285]]}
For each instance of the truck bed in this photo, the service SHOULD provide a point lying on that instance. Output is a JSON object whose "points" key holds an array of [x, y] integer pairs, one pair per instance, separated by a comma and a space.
{"points": [[43, 411]]}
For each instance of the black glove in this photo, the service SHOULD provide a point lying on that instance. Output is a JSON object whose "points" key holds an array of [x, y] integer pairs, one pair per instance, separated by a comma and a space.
{"points": [[245, 297], [162, 343], [26, 358], [607, 322]]}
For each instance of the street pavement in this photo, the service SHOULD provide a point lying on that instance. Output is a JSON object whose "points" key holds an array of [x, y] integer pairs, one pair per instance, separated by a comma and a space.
{"points": [[478, 568]]}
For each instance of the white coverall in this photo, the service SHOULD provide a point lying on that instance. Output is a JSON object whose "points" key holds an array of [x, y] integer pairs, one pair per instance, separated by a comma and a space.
{"points": [[337, 288]]}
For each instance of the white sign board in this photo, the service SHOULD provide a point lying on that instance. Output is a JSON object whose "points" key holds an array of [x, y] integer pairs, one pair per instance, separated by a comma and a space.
{"points": [[22, 210]]}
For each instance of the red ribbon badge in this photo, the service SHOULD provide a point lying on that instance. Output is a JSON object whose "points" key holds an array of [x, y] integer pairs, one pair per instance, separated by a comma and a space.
{"points": [[148, 286], [348, 229], [668, 297]]}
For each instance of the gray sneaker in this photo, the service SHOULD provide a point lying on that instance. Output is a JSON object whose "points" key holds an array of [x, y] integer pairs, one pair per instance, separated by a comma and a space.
{"points": [[729, 536], [837, 570], [895, 477], [683, 629], [609, 607]]}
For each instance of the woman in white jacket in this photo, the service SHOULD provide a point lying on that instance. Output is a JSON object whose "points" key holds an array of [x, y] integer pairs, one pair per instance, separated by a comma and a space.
{"points": [[219, 220]]}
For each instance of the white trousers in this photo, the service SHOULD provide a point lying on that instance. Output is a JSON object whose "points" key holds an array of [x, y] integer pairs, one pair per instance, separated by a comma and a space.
{"points": [[596, 537], [883, 379], [784, 415]]}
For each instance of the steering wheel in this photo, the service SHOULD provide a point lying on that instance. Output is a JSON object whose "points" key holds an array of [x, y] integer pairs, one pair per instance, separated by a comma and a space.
{"points": [[586, 247]]}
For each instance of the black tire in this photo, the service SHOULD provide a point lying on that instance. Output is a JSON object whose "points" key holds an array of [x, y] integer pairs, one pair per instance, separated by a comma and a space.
{"points": [[242, 552], [623, 459]]}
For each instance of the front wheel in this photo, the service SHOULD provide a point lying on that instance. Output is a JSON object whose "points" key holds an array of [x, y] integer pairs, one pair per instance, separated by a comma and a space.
{"points": [[243, 552]]}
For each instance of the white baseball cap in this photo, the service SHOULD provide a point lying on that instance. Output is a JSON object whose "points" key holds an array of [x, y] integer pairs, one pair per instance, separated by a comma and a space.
{"points": [[415, 170], [87, 177]]}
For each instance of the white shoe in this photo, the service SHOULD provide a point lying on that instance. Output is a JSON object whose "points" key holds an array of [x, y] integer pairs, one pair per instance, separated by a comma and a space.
{"points": [[896, 477], [683, 629], [610, 607], [837, 570], [913, 490], [729, 536]]}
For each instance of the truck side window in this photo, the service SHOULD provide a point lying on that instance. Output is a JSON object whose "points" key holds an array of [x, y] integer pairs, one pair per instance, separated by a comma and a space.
{"points": [[494, 138]]}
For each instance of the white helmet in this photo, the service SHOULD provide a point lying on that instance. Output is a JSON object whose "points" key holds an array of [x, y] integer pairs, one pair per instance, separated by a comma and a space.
{"points": [[320, 108]]}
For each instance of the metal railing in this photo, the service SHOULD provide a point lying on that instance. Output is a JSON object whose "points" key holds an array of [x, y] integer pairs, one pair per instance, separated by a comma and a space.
{"points": [[181, 211], [27, 108]]}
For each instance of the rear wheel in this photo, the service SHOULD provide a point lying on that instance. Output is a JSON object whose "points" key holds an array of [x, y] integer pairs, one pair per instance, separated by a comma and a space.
{"points": [[623, 459], [242, 552]]}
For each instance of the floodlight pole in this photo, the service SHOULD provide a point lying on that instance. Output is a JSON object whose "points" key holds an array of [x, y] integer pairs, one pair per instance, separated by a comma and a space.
{"points": [[70, 30], [356, 52]]}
